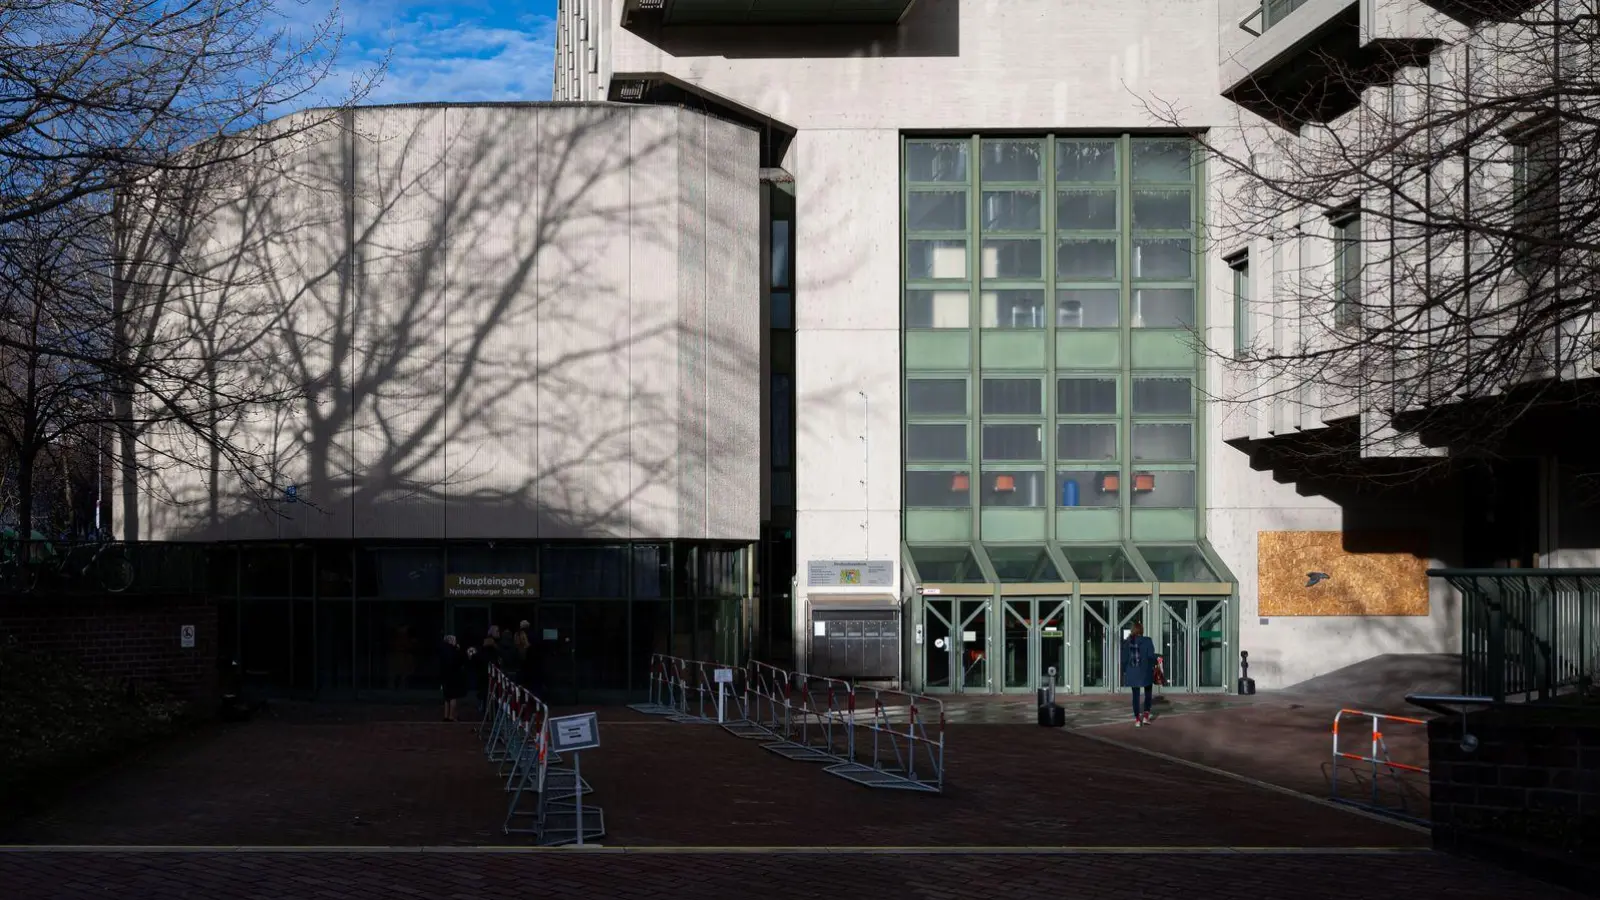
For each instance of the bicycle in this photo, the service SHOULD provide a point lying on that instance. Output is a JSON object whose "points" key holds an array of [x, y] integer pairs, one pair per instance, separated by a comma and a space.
{"points": [[107, 561]]}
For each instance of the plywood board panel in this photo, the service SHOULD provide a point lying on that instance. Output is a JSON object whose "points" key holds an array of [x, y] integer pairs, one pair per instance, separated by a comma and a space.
{"points": [[1336, 573]]}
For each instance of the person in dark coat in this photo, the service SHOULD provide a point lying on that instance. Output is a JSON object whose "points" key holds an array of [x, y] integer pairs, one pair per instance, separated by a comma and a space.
{"points": [[1139, 670], [452, 675], [510, 655], [484, 664], [528, 674]]}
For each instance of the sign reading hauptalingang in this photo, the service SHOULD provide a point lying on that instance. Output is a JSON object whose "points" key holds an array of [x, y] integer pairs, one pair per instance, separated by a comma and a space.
{"points": [[850, 573], [504, 585]]}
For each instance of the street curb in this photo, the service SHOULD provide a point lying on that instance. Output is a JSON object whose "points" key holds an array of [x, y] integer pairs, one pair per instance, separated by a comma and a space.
{"points": [[113, 850]]}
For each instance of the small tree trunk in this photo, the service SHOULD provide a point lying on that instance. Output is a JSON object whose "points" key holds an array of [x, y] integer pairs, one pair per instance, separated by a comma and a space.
{"points": [[25, 460]]}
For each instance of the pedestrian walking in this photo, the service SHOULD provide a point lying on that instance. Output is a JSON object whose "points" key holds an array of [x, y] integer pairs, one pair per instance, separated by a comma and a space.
{"points": [[1139, 671], [452, 675]]}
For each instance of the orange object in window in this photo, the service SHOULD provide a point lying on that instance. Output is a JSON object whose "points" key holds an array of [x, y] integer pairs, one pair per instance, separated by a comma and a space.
{"points": [[1144, 482], [1005, 483], [959, 483], [1110, 483]]}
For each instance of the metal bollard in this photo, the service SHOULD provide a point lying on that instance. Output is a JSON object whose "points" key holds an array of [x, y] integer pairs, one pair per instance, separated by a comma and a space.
{"points": [[1050, 714]]}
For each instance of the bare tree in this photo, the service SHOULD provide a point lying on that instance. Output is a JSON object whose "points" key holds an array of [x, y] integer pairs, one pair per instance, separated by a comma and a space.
{"points": [[51, 391], [1425, 264], [100, 92], [149, 106]]}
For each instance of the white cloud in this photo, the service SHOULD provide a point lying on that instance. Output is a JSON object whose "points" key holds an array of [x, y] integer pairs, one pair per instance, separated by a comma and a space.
{"points": [[462, 52]]}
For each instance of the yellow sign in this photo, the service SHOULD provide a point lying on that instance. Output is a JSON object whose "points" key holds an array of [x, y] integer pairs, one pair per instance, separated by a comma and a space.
{"points": [[505, 586]]}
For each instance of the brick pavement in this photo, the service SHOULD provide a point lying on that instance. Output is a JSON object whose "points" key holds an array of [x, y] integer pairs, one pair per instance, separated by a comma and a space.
{"points": [[1286, 742], [593, 875], [292, 781], [680, 799]]}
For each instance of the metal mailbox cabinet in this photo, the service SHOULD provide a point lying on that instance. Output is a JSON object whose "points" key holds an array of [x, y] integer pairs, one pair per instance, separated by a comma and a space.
{"points": [[856, 643]]}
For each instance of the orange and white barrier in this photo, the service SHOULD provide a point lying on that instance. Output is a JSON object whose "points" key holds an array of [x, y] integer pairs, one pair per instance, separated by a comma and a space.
{"points": [[1367, 734]]}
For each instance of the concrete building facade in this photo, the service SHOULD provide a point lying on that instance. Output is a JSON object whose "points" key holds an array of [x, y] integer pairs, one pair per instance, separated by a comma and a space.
{"points": [[1003, 251], [513, 359], [883, 339]]}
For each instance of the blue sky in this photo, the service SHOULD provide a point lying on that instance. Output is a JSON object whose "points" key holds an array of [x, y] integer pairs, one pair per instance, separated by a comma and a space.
{"points": [[475, 50]]}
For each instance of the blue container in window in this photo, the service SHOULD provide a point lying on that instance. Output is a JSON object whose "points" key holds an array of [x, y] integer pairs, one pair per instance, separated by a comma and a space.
{"points": [[1069, 492]]}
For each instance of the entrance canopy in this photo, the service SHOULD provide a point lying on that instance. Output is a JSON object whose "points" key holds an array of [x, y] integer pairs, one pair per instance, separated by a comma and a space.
{"points": [[1063, 568]]}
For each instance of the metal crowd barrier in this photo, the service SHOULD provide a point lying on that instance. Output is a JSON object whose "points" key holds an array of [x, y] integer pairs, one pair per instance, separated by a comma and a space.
{"points": [[891, 744], [701, 699], [687, 690], [820, 720], [877, 738], [764, 703], [661, 700], [542, 791], [1379, 760]]}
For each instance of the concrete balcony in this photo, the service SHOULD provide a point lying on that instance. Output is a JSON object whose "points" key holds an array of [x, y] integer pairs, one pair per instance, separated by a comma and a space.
{"points": [[1472, 12], [1310, 59], [763, 12]]}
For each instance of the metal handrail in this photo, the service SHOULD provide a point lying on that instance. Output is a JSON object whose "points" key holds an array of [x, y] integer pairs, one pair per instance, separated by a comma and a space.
{"points": [[1440, 703], [1270, 12], [1244, 23]]}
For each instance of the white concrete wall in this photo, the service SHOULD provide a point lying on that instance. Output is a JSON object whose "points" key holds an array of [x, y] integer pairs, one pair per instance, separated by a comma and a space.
{"points": [[583, 36], [508, 321], [989, 65], [974, 65]]}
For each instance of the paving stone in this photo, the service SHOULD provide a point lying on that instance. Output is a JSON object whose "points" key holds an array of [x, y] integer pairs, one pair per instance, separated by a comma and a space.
{"points": [[597, 874], [304, 777]]}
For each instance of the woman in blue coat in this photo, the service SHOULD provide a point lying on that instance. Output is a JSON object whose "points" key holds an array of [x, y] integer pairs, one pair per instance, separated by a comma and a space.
{"points": [[1139, 670]]}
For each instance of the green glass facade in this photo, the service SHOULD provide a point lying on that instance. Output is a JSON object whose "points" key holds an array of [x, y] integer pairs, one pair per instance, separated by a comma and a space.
{"points": [[1049, 318], [1052, 413]]}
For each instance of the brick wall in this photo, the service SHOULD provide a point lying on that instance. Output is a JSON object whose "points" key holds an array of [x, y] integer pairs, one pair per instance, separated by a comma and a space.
{"points": [[132, 638], [1528, 796]]}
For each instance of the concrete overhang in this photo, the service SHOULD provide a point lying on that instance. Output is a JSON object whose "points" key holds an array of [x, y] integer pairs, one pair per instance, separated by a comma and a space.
{"points": [[765, 12], [860, 601], [662, 89], [1471, 12], [1312, 65]]}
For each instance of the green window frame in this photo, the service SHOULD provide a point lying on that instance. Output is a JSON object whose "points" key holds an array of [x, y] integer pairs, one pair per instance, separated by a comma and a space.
{"points": [[1347, 270], [1536, 181], [1058, 251], [1239, 265]]}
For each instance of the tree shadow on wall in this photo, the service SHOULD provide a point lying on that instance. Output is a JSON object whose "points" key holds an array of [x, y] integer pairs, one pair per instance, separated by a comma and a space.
{"points": [[491, 322]]}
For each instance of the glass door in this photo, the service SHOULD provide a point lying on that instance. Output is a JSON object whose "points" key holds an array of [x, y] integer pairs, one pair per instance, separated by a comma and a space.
{"points": [[1212, 660], [1034, 641], [938, 648], [469, 622], [1177, 636], [558, 653], [1053, 643], [1097, 645], [1017, 640], [972, 645], [1106, 622]]}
